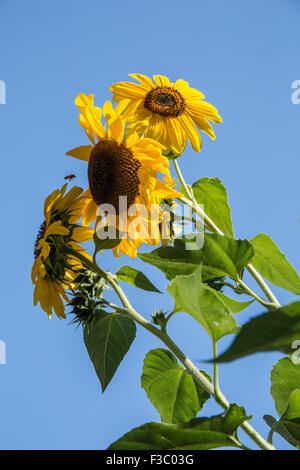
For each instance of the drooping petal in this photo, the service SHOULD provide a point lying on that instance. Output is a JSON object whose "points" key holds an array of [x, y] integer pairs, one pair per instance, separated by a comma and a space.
{"points": [[56, 229], [57, 302], [204, 126], [204, 110], [191, 132]]}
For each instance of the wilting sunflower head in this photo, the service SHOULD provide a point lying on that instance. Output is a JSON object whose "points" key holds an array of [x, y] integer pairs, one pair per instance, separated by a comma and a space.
{"points": [[123, 175], [54, 267], [167, 112]]}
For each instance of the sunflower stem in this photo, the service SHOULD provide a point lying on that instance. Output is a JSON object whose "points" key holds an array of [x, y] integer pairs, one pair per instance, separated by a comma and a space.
{"points": [[217, 392]]}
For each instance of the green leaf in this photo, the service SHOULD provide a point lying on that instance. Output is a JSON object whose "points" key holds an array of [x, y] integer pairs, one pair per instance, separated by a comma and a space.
{"points": [[212, 194], [203, 304], [272, 331], [292, 411], [107, 339], [285, 378], [136, 278], [198, 434], [291, 417], [219, 256], [170, 388], [108, 240], [288, 425], [273, 265], [281, 429], [234, 306]]}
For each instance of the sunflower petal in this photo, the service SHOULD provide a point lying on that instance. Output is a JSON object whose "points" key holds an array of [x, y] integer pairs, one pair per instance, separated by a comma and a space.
{"points": [[81, 153], [161, 80], [56, 229], [128, 90], [191, 132], [83, 234]]}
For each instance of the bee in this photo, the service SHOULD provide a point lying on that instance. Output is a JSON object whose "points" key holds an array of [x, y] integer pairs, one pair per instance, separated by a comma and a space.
{"points": [[69, 177]]}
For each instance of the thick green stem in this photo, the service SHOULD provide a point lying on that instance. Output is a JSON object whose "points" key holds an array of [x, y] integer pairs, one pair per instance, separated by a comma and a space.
{"points": [[217, 391]]}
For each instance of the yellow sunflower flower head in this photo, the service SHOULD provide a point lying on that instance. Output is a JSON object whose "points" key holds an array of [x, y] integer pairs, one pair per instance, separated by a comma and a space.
{"points": [[167, 112], [54, 269], [121, 164]]}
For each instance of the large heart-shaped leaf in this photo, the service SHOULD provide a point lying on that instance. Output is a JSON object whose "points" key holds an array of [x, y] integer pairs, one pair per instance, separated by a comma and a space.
{"points": [[107, 339], [172, 391]]}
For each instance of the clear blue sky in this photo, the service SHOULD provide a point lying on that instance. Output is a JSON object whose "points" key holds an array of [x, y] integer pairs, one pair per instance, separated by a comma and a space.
{"points": [[244, 57]]}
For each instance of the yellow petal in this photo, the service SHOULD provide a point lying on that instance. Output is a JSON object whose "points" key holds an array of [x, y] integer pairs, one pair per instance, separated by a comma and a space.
{"points": [[91, 114], [56, 229], [205, 110], [45, 249], [49, 202], [204, 126], [146, 81], [35, 270], [176, 138], [163, 191], [161, 80], [69, 200], [128, 90], [89, 211], [191, 132], [82, 153], [57, 302], [183, 87], [83, 234], [114, 123]]}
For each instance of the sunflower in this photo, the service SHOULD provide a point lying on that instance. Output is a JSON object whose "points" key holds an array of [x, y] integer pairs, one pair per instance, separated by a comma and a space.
{"points": [[167, 112], [120, 164], [54, 269]]}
